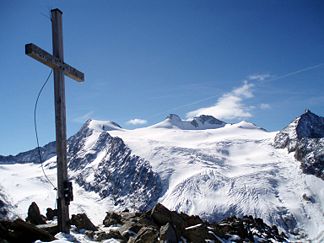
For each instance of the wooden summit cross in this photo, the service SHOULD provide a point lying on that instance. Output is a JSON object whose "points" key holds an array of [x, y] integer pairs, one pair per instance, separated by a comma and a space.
{"points": [[56, 62]]}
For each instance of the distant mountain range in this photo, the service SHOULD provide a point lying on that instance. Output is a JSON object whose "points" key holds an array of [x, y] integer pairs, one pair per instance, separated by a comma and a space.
{"points": [[203, 166]]}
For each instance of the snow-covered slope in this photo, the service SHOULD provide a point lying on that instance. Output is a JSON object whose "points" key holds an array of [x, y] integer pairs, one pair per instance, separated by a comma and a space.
{"points": [[25, 183], [6, 206], [212, 169], [233, 170]]}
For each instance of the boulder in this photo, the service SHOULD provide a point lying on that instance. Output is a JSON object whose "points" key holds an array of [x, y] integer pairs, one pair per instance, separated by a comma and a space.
{"points": [[146, 235], [129, 229], [34, 216], [308, 198], [21, 231], [53, 228], [81, 221], [198, 234], [190, 220], [160, 214], [101, 236], [51, 213], [112, 219]]}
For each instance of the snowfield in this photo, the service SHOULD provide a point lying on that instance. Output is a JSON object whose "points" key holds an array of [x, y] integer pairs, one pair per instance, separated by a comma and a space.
{"points": [[233, 170], [213, 169]]}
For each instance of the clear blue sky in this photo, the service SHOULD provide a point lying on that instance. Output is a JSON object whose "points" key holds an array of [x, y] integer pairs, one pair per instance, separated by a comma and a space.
{"points": [[260, 61]]}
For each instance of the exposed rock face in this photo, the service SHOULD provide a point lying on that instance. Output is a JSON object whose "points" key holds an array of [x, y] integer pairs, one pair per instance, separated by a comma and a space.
{"points": [[104, 164], [305, 137], [108, 167], [197, 123], [205, 120]]}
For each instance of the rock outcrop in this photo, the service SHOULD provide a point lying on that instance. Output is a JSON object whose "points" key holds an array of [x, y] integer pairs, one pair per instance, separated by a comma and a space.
{"points": [[162, 225], [34, 216], [305, 137], [105, 165]]}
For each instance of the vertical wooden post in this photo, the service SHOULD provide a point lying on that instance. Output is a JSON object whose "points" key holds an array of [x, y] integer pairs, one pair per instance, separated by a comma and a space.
{"points": [[60, 122]]}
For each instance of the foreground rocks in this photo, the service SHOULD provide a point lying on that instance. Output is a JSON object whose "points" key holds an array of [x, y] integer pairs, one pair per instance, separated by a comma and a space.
{"points": [[156, 225], [163, 225], [81, 221], [34, 215], [21, 231]]}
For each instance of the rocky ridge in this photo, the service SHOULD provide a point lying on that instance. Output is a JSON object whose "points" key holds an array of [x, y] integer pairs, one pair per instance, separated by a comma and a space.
{"points": [[108, 167], [31, 156], [305, 137], [202, 122]]}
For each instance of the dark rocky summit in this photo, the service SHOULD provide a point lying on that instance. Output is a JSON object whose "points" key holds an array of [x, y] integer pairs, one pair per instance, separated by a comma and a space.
{"points": [[305, 137]]}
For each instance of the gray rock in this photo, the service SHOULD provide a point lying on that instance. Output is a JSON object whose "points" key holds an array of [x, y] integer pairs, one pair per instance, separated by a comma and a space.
{"points": [[305, 137], [129, 229], [198, 234], [112, 219], [168, 234], [160, 214], [21, 231], [81, 221], [147, 235]]}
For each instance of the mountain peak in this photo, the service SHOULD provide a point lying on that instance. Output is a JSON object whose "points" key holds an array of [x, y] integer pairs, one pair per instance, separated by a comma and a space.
{"points": [[173, 117], [197, 123], [207, 120], [307, 125], [102, 125]]}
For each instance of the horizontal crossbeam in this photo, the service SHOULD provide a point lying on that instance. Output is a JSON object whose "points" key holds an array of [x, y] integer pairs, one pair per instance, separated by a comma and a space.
{"points": [[49, 60]]}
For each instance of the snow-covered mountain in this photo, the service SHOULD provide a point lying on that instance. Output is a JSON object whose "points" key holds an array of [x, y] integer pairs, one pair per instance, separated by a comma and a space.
{"points": [[104, 164], [305, 137], [197, 123], [47, 152], [203, 166]]}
